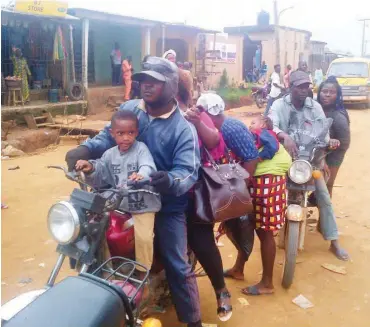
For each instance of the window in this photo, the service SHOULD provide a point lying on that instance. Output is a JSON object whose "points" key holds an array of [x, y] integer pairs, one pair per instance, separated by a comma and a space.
{"points": [[349, 69]]}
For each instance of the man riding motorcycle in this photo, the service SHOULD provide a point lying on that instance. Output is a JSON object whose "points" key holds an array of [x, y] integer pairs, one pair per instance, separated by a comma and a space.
{"points": [[173, 143], [290, 113]]}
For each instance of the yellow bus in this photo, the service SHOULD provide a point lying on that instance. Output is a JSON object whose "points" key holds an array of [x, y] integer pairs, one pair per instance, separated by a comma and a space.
{"points": [[353, 75]]}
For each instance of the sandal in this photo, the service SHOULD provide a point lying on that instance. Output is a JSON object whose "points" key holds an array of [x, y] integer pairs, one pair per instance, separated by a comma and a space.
{"points": [[224, 311]]}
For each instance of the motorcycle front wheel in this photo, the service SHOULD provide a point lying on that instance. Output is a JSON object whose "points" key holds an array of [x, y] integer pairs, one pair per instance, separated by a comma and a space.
{"points": [[291, 252]]}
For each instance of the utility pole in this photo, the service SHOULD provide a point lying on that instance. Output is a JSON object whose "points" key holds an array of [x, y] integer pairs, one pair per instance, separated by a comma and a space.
{"points": [[277, 15], [363, 46]]}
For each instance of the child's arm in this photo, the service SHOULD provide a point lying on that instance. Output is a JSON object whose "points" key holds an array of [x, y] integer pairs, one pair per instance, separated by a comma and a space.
{"points": [[146, 165], [270, 145], [101, 174]]}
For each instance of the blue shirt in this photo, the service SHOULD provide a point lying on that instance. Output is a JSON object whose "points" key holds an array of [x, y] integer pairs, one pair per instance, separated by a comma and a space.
{"points": [[173, 143], [239, 139]]}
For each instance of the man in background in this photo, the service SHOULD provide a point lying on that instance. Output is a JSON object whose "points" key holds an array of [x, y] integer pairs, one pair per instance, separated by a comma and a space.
{"points": [[116, 60], [276, 88]]}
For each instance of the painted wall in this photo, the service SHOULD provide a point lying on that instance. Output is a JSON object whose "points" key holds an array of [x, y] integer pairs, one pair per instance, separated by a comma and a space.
{"points": [[104, 37], [234, 70], [172, 32], [293, 47]]}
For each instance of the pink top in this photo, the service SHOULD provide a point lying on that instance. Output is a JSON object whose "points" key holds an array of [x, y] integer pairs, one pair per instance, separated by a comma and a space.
{"points": [[219, 151]]}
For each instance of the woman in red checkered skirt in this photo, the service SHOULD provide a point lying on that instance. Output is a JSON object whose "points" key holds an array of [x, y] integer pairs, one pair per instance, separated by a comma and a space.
{"points": [[268, 192]]}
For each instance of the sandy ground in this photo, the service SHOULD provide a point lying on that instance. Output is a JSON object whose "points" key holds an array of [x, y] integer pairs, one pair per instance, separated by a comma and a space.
{"points": [[339, 300]]}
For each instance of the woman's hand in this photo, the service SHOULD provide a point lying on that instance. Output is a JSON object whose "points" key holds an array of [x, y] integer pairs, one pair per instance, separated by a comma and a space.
{"points": [[193, 115], [334, 144], [85, 166]]}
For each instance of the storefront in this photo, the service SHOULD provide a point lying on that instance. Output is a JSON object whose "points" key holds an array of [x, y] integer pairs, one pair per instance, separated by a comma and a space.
{"points": [[46, 45]]}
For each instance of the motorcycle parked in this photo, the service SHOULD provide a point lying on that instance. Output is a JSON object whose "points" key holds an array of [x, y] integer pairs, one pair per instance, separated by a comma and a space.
{"points": [[304, 177], [260, 94]]}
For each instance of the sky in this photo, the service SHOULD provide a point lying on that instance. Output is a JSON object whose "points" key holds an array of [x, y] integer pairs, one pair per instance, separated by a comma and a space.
{"points": [[328, 20]]}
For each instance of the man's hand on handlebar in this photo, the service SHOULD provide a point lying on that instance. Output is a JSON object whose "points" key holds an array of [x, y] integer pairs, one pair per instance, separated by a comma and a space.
{"points": [[334, 144], [85, 166], [290, 146], [161, 181]]}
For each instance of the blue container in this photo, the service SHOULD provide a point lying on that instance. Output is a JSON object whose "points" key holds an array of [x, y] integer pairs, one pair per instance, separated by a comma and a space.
{"points": [[53, 95]]}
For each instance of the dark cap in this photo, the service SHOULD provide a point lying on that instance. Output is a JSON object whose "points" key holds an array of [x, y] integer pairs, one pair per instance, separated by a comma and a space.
{"points": [[298, 78], [157, 68]]}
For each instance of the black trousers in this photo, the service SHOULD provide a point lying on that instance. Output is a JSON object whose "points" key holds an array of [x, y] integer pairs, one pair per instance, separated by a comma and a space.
{"points": [[202, 242], [116, 74]]}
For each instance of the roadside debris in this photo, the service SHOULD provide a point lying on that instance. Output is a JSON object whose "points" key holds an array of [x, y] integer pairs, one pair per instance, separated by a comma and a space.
{"points": [[24, 281], [4, 206], [302, 302], [28, 260], [337, 269], [14, 168], [11, 151], [244, 302], [42, 265]]}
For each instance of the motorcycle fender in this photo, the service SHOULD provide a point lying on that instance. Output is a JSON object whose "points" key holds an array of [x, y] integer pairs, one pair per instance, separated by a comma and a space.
{"points": [[295, 212], [11, 308]]}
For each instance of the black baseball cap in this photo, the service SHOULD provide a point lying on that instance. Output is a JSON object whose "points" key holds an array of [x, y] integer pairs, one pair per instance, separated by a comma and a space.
{"points": [[157, 68]]}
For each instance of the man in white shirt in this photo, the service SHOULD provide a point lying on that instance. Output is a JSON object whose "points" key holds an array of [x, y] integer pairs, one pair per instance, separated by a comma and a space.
{"points": [[276, 88]]}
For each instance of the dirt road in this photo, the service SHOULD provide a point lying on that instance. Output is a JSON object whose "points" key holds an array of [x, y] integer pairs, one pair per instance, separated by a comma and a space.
{"points": [[340, 300]]}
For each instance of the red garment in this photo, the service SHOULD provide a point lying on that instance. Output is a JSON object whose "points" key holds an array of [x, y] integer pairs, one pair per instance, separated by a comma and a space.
{"points": [[219, 151]]}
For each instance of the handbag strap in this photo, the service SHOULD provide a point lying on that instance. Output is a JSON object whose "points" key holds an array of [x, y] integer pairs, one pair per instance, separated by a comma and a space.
{"points": [[214, 164]]}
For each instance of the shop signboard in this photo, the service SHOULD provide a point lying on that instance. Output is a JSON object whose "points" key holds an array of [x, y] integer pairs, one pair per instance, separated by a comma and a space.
{"points": [[44, 8]]}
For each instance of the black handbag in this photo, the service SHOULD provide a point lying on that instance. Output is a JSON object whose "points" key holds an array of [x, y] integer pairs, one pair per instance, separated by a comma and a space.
{"points": [[221, 192]]}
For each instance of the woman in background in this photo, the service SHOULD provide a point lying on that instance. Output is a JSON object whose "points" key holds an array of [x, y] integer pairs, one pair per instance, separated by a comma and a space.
{"points": [[22, 71], [330, 97]]}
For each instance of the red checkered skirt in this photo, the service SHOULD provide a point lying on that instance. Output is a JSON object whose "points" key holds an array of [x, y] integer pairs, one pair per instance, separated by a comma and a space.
{"points": [[269, 198]]}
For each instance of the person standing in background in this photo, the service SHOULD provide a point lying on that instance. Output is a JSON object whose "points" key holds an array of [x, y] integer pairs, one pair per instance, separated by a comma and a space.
{"points": [[263, 72], [127, 73], [287, 76], [21, 70], [116, 60], [303, 67], [276, 88]]}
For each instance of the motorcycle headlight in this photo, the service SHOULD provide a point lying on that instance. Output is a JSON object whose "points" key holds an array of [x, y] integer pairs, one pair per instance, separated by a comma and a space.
{"points": [[63, 222], [300, 171]]}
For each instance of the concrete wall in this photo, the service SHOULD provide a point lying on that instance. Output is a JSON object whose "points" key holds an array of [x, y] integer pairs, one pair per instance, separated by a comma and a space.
{"points": [[293, 47], [104, 37], [171, 33], [234, 69]]}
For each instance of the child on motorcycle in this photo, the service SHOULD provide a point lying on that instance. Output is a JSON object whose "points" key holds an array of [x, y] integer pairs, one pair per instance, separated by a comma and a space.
{"points": [[129, 160], [269, 197]]}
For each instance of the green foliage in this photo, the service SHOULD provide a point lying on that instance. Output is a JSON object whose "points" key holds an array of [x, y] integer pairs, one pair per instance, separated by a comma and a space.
{"points": [[224, 80]]}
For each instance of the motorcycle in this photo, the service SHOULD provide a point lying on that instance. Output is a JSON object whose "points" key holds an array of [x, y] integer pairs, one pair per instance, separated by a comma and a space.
{"points": [[89, 229], [304, 177], [260, 94], [80, 226], [115, 300]]}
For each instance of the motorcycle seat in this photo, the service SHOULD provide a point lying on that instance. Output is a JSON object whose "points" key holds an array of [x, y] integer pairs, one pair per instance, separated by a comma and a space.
{"points": [[74, 302]]}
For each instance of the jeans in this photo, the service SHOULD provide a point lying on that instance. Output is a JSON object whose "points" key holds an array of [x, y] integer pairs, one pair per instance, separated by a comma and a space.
{"points": [[116, 74], [171, 242], [328, 225], [270, 101]]}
